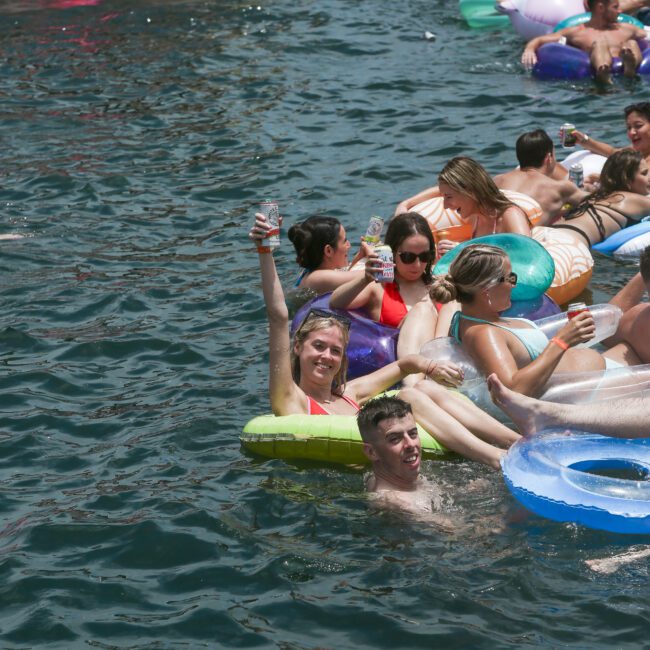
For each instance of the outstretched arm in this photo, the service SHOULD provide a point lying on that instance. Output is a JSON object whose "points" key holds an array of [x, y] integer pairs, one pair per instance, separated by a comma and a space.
{"points": [[424, 195], [529, 56], [286, 397], [364, 388], [593, 145]]}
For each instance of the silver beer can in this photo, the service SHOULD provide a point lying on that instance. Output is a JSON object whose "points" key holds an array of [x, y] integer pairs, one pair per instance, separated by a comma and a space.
{"points": [[576, 175], [270, 210], [387, 273]]}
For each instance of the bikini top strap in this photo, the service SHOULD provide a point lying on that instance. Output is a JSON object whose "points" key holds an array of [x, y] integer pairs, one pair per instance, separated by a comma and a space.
{"points": [[454, 327]]}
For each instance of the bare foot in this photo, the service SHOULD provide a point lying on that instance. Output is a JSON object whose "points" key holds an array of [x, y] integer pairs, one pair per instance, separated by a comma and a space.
{"points": [[604, 74], [608, 565], [629, 62], [523, 411]]}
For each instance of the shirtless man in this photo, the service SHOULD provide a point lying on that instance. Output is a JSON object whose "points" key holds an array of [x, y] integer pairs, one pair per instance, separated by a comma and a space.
{"points": [[535, 176], [602, 37], [392, 443]]}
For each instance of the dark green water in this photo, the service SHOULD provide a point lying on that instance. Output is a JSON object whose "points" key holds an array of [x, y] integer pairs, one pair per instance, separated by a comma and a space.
{"points": [[136, 137]]}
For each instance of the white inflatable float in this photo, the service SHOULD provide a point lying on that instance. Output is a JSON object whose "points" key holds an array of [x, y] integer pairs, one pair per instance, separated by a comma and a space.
{"points": [[531, 18]]}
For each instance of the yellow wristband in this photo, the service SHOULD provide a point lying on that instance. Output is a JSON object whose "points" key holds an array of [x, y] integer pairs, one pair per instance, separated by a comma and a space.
{"points": [[560, 343]]}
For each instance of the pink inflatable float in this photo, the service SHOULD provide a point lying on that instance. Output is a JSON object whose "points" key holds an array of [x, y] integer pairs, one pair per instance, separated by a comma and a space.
{"points": [[532, 18]]}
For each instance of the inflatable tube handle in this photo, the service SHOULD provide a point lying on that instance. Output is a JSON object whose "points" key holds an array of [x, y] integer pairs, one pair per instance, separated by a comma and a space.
{"points": [[606, 317]]}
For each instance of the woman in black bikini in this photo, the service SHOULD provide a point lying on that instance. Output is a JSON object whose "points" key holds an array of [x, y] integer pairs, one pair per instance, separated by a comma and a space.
{"points": [[620, 201]]}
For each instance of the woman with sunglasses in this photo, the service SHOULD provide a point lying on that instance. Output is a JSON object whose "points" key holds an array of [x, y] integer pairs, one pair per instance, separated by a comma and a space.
{"points": [[467, 188], [322, 248], [307, 376], [413, 247], [520, 354]]}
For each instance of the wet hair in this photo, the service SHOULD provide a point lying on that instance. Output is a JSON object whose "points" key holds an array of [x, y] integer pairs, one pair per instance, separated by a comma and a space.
{"points": [[313, 324], [533, 147], [642, 108], [309, 238], [377, 410], [644, 264], [466, 176], [616, 176], [408, 224], [476, 267]]}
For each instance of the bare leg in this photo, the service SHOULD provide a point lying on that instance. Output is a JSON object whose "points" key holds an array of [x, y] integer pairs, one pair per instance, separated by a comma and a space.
{"points": [[631, 57], [448, 431], [601, 61], [469, 415], [624, 418], [418, 327]]}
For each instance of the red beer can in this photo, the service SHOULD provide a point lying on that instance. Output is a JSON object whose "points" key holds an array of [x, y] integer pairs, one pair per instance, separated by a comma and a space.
{"points": [[576, 308]]}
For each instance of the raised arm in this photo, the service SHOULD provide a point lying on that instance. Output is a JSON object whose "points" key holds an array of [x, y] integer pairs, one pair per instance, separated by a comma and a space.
{"points": [[286, 398], [488, 346], [593, 145], [424, 195]]}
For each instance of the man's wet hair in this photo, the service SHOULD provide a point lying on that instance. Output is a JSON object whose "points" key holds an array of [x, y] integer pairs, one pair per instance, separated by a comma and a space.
{"points": [[377, 410], [644, 264], [532, 147]]}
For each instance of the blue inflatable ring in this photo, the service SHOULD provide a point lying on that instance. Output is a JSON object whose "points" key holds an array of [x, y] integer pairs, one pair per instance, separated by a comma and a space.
{"points": [[531, 262], [372, 345], [593, 480], [623, 242]]}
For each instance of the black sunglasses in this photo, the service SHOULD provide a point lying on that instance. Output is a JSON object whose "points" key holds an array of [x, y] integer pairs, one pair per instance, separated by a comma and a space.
{"points": [[511, 278], [323, 313], [408, 258]]}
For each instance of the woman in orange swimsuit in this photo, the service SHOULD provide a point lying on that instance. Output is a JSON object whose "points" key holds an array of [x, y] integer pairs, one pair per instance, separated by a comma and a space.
{"points": [[620, 201], [307, 376]]}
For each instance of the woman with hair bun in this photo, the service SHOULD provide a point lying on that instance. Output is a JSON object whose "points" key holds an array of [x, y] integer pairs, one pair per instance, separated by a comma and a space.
{"points": [[520, 354], [322, 251]]}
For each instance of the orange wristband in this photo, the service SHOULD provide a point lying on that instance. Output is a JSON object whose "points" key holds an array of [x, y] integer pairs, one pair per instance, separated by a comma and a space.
{"points": [[560, 343]]}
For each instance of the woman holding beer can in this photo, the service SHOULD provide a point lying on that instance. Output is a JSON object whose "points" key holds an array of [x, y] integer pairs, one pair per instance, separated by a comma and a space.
{"points": [[307, 376], [620, 201], [322, 248], [520, 354]]}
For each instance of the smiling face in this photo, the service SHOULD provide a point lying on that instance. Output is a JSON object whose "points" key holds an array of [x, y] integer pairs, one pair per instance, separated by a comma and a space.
{"points": [[638, 132], [320, 354], [465, 205], [418, 245], [641, 181], [396, 450], [339, 256]]}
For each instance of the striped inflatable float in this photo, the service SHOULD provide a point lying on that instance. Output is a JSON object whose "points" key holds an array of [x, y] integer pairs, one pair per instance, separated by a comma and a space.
{"points": [[573, 263], [439, 218]]}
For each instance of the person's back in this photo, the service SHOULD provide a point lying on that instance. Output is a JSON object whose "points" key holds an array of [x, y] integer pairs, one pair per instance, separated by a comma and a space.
{"points": [[536, 157]]}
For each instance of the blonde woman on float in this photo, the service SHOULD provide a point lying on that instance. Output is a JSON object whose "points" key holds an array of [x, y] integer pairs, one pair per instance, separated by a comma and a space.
{"points": [[467, 188], [307, 376]]}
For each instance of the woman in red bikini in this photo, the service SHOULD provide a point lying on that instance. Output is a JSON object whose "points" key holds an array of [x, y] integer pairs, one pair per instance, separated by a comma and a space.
{"points": [[307, 376]]}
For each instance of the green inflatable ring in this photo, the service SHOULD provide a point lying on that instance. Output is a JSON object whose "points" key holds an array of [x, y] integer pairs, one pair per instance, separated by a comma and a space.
{"points": [[327, 438], [531, 262], [480, 14]]}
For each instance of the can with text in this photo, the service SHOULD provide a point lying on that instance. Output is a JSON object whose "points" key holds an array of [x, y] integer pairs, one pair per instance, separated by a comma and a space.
{"points": [[387, 273], [374, 230], [272, 240]]}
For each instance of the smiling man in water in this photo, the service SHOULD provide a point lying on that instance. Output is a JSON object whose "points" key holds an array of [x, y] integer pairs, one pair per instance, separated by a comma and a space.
{"points": [[392, 443]]}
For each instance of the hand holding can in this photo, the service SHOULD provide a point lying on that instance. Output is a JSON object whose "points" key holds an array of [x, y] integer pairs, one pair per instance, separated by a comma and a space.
{"points": [[269, 209]]}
